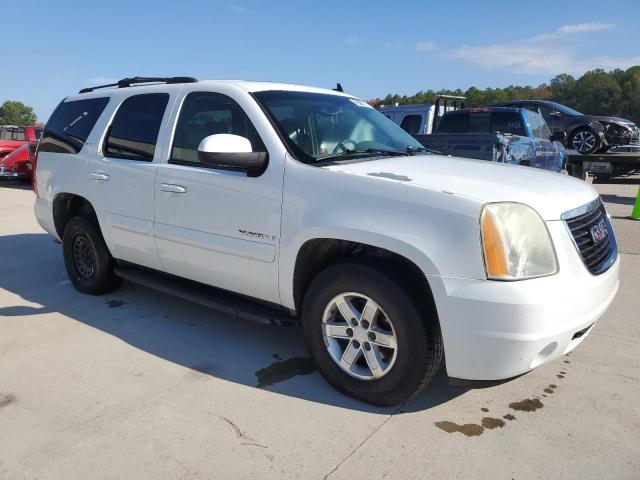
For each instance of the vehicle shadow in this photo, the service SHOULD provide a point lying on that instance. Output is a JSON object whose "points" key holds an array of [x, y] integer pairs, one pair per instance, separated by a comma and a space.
{"points": [[202, 340], [607, 198], [15, 184]]}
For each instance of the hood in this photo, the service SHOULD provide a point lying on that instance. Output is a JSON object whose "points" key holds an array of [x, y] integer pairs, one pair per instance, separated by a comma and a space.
{"points": [[617, 120], [549, 193]]}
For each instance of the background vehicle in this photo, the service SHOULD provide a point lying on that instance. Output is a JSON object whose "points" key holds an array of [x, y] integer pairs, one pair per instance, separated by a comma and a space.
{"points": [[19, 163], [421, 119], [307, 203], [12, 137], [619, 161], [584, 133], [499, 134]]}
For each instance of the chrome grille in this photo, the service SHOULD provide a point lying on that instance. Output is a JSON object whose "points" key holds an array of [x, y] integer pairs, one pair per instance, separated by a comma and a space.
{"points": [[597, 256]]}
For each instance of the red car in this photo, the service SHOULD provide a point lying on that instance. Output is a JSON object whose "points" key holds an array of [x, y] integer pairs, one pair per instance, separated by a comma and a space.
{"points": [[12, 137], [19, 163]]}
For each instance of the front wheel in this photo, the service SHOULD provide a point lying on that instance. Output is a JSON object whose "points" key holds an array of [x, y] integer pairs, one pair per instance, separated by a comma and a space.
{"points": [[585, 141], [368, 337]]}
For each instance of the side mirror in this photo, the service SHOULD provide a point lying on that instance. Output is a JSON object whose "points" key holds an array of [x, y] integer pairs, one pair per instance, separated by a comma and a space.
{"points": [[230, 152], [558, 137]]}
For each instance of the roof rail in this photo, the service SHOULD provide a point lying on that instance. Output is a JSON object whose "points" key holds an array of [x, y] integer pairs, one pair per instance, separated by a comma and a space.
{"points": [[127, 82]]}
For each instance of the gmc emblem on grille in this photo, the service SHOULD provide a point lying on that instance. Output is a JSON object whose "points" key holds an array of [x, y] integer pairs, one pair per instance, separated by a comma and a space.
{"points": [[599, 232]]}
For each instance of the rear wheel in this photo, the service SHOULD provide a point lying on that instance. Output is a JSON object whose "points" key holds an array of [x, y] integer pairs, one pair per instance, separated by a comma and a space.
{"points": [[367, 336], [585, 141], [89, 264]]}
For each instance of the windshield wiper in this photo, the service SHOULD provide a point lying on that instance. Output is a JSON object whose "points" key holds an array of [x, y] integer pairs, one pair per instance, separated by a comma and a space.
{"points": [[364, 151], [422, 149]]}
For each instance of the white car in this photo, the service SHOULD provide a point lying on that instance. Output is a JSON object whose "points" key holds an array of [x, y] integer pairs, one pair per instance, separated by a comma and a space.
{"points": [[320, 208]]}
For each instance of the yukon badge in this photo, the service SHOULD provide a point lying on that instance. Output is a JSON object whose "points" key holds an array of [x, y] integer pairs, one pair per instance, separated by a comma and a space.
{"points": [[256, 235]]}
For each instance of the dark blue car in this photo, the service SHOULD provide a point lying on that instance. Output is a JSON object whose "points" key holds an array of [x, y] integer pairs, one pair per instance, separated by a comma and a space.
{"points": [[500, 134]]}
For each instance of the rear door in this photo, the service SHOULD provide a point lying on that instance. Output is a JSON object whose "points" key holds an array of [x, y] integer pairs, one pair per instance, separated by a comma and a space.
{"points": [[124, 175]]}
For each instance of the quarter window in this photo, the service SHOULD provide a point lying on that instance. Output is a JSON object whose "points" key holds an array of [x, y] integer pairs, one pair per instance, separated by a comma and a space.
{"points": [[204, 114], [134, 132], [411, 124], [70, 125]]}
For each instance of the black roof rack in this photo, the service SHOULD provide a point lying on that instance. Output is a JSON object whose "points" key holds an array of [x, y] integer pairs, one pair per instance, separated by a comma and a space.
{"points": [[127, 82]]}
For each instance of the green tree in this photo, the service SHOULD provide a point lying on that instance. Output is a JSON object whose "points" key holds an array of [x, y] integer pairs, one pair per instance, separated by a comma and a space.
{"points": [[16, 113]]}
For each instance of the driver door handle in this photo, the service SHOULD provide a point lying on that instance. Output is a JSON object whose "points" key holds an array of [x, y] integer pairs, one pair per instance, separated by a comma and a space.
{"points": [[170, 187]]}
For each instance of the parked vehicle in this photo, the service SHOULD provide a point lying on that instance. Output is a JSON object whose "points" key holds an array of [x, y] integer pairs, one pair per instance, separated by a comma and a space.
{"points": [[12, 137], [304, 203], [617, 162], [584, 133], [499, 134], [18, 164], [422, 118]]}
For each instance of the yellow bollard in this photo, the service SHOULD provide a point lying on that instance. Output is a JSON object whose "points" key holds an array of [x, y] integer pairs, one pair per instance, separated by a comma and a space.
{"points": [[635, 213]]}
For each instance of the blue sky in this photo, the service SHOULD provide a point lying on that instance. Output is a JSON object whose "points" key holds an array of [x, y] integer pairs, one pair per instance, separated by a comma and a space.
{"points": [[372, 48]]}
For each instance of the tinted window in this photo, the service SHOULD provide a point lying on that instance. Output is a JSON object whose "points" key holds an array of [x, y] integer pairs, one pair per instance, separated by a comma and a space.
{"points": [[507, 122], [479, 122], [411, 124], [453, 123], [205, 114], [134, 131], [70, 125]]}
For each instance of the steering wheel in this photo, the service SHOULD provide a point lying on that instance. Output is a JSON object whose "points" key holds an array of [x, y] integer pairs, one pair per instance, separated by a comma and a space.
{"points": [[345, 145]]}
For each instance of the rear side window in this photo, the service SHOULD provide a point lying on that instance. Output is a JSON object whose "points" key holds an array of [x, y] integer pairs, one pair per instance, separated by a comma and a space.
{"points": [[411, 124], [134, 131], [507, 122], [453, 123], [70, 125]]}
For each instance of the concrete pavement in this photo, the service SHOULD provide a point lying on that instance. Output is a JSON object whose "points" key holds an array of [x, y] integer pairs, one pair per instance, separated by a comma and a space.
{"points": [[137, 385]]}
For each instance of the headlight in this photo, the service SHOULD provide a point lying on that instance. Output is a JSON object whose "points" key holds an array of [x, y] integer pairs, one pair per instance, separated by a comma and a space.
{"points": [[516, 242]]}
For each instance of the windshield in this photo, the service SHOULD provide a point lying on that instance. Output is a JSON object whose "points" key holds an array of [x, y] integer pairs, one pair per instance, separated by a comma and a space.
{"points": [[320, 126], [566, 110]]}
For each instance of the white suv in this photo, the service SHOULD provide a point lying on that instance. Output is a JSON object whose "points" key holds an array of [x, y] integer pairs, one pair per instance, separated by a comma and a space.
{"points": [[321, 208]]}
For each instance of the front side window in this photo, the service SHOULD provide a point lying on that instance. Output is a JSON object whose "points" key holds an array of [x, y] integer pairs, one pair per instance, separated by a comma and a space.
{"points": [[134, 132], [204, 114], [411, 124], [319, 126], [70, 125]]}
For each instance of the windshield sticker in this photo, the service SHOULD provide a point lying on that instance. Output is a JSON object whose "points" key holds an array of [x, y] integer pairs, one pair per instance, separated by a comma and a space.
{"points": [[359, 103]]}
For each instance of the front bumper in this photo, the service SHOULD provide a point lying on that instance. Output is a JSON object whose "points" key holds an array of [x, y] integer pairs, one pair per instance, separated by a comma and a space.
{"points": [[496, 330]]}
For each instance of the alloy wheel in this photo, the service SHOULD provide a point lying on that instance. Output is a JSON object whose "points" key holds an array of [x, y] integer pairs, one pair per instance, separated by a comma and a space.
{"points": [[584, 141], [359, 336]]}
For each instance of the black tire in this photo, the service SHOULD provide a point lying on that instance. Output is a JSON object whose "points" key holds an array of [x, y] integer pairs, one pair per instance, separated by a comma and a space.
{"points": [[578, 141], [89, 264], [419, 341]]}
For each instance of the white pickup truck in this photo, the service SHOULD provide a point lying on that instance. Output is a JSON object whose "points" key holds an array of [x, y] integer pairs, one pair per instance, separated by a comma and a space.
{"points": [[319, 208]]}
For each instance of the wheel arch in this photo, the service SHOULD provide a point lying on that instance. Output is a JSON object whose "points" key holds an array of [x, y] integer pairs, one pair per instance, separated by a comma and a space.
{"points": [[403, 262], [68, 205]]}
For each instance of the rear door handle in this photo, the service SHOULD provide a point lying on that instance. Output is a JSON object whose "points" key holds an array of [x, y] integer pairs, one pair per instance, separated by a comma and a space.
{"points": [[102, 177], [170, 187]]}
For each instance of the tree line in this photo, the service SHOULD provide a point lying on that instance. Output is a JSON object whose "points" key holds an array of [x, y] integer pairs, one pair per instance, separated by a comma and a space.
{"points": [[597, 92]]}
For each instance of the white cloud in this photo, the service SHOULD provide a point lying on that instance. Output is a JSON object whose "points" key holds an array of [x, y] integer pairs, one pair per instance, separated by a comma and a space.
{"points": [[239, 9], [573, 29], [352, 40], [425, 46], [547, 53], [102, 80], [393, 44]]}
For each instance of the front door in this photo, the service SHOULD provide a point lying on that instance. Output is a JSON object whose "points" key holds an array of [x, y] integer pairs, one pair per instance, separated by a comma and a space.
{"points": [[215, 226]]}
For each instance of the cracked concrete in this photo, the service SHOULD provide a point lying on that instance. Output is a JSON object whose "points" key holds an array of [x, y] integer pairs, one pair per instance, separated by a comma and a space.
{"points": [[159, 388]]}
